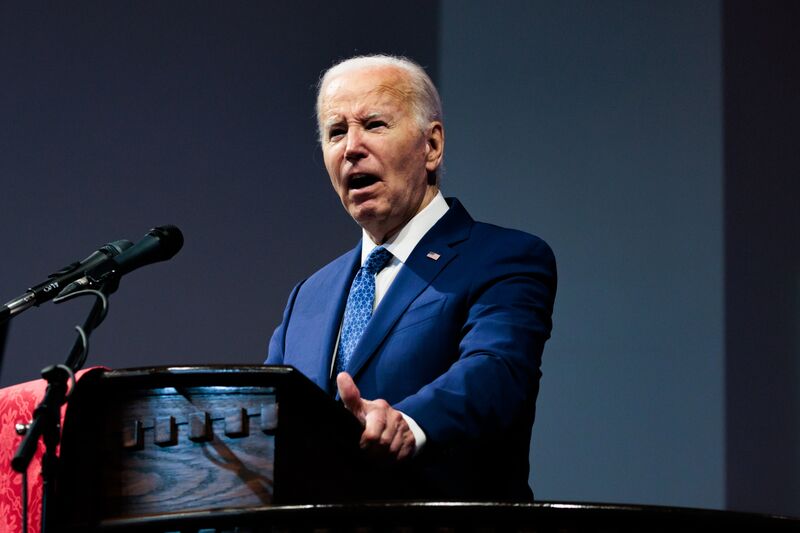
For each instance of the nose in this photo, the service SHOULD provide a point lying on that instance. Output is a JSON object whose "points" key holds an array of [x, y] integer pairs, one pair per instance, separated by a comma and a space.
{"points": [[354, 149]]}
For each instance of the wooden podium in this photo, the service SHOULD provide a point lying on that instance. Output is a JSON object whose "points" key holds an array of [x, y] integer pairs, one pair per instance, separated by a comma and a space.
{"points": [[254, 449], [152, 442]]}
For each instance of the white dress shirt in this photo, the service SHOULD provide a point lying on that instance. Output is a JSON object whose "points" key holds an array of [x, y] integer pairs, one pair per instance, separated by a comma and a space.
{"points": [[401, 245]]}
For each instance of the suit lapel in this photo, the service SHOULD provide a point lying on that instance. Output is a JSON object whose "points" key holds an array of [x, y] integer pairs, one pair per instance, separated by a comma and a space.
{"points": [[332, 300], [413, 278]]}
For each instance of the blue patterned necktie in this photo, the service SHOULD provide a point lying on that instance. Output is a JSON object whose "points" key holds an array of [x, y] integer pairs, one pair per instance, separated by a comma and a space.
{"points": [[358, 310]]}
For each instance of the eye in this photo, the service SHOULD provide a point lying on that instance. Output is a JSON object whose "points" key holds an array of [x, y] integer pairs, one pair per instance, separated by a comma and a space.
{"points": [[373, 124], [336, 132]]}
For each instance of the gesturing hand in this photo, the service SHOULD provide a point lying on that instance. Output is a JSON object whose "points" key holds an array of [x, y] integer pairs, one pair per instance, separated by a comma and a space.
{"points": [[386, 432]]}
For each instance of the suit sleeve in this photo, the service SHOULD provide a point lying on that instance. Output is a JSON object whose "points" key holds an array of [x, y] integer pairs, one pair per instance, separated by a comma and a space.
{"points": [[493, 383], [277, 343]]}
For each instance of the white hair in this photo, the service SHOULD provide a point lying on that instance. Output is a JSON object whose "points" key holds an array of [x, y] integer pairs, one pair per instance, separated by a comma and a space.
{"points": [[425, 101]]}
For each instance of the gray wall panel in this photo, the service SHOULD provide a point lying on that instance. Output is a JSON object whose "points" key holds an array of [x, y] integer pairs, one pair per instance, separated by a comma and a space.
{"points": [[597, 125]]}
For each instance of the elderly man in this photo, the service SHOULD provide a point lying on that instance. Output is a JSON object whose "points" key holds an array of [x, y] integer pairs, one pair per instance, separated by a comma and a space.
{"points": [[431, 330]]}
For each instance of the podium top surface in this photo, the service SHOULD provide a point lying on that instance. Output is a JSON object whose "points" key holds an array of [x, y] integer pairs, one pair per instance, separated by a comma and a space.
{"points": [[469, 516]]}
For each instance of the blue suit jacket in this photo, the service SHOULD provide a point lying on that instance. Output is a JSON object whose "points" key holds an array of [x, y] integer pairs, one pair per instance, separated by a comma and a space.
{"points": [[456, 343]]}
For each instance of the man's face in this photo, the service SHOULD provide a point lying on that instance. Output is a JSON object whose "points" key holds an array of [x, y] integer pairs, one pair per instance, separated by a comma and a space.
{"points": [[376, 155]]}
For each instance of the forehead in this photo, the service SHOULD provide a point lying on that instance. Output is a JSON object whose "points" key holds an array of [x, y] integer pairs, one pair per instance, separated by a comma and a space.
{"points": [[365, 90]]}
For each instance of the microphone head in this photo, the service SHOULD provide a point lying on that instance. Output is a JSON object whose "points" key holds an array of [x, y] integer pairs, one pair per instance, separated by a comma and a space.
{"points": [[170, 240], [160, 243], [120, 257]]}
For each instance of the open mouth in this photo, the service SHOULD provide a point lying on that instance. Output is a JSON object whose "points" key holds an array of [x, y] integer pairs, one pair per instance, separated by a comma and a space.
{"points": [[360, 181]]}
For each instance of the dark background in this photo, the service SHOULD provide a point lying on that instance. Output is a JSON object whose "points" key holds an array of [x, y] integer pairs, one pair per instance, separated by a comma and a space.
{"points": [[652, 144]]}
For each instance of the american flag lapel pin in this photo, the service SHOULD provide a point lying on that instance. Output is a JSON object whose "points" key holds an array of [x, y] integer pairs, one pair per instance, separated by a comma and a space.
{"points": [[434, 256]]}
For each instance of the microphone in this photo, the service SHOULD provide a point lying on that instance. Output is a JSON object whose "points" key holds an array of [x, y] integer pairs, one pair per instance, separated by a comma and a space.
{"points": [[47, 290], [160, 243]]}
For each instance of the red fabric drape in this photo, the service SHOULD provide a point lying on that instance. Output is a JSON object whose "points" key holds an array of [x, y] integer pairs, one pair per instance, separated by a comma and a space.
{"points": [[16, 406]]}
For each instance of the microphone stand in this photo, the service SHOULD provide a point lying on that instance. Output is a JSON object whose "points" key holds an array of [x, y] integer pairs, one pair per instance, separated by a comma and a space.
{"points": [[3, 337], [46, 420]]}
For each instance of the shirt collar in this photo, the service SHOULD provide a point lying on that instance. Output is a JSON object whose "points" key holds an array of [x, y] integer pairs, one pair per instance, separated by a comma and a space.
{"points": [[404, 242]]}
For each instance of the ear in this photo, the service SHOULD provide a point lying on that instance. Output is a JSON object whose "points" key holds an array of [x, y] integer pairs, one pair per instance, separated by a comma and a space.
{"points": [[434, 147]]}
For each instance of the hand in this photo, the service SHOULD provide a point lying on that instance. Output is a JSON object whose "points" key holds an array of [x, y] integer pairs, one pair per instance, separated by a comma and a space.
{"points": [[386, 433]]}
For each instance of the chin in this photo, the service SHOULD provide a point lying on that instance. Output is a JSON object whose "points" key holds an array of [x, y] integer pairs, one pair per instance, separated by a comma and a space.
{"points": [[364, 218], [366, 212], [372, 222]]}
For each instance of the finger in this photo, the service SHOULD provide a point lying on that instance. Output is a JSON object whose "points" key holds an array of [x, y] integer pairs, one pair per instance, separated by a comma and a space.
{"points": [[375, 425], [407, 449], [395, 424], [351, 396], [404, 443], [397, 442], [388, 435]]}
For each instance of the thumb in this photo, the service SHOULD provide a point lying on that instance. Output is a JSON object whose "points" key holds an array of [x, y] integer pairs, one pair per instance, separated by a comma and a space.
{"points": [[351, 396]]}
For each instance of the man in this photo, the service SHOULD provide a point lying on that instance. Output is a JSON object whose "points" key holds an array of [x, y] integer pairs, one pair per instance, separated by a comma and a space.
{"points": [[434, 343]]}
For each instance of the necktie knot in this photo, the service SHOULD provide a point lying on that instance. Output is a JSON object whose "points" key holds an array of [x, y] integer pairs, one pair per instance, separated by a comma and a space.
{"points": [[376, 260]]}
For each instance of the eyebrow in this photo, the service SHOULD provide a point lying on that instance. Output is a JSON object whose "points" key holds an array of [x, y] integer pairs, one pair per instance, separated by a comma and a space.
{"points": [[333, 121], [337, 119]]}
